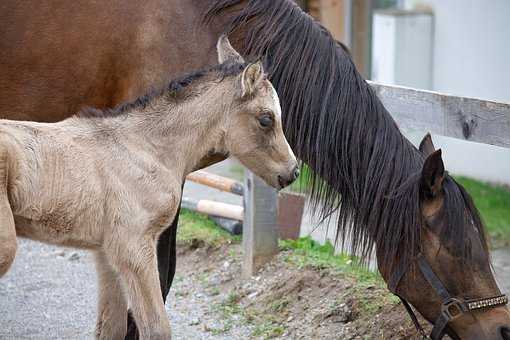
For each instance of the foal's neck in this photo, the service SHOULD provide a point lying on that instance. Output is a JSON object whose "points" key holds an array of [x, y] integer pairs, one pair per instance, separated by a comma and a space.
{"points": [[179, 133]]}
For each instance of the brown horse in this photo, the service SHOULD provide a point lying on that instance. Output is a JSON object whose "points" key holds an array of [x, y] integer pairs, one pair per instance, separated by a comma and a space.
{"points": [[57, 56]]}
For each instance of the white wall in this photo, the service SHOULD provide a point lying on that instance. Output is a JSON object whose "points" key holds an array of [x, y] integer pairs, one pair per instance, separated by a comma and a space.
{"points": [[471, 47], [471, 58]]}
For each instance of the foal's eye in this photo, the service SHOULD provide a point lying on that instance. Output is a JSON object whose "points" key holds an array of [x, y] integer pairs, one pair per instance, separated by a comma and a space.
{"points": [[266, 120]]}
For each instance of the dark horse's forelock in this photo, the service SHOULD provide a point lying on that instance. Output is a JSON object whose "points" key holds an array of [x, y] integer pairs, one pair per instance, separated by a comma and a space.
{"points": [[338, 126]]}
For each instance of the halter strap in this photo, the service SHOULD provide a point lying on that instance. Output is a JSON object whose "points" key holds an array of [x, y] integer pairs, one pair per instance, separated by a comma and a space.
{"points": [[413, 317], [451, 307], [432, 278]]}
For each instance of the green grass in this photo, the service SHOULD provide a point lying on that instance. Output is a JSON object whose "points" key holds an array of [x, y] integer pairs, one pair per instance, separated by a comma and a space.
{"points": [[493, 202], [194, 227], [307, 252]]}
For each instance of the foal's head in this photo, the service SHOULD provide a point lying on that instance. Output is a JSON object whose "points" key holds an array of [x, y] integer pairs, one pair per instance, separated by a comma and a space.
{"points": [[253, 128], [454, 249]]}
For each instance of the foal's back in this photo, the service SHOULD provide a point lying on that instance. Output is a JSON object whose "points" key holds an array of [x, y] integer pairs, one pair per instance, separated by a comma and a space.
{"points": [[61, 175]]}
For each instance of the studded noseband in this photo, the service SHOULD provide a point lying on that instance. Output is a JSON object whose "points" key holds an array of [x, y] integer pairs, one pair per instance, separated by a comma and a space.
{"points": [[451, 307]]}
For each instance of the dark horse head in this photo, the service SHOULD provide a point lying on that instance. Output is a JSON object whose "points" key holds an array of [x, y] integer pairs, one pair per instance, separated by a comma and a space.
{"points": [[387, 194]]}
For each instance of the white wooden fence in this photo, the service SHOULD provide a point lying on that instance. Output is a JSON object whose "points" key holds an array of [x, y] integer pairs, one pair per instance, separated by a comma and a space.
{"points": [[414, 110]]}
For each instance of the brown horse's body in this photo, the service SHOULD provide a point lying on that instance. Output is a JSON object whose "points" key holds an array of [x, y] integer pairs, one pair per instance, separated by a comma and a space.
{"points": [[64, 55], [57, 56]]}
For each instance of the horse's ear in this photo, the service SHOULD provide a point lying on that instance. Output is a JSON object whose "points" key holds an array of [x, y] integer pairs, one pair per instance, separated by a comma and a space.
{"points": [[251, 77], [226, 51], [432, 175], [426, 145]]}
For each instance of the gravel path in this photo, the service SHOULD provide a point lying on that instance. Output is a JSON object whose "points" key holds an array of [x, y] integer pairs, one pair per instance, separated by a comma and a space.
{"points": [[50, 293]]}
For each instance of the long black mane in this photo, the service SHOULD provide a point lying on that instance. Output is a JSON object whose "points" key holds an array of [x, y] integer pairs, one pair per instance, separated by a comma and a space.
{"points": [[363, 167]]}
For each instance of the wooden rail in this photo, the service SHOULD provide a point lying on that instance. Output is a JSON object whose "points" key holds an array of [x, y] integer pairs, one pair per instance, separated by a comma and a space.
{"points": [[220, 209], [215, 181], [469, 119]]}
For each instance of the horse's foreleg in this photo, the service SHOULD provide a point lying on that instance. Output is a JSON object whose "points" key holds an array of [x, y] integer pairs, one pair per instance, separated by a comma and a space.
{"points": [[140, 274], [112, 305], [8, 243]]}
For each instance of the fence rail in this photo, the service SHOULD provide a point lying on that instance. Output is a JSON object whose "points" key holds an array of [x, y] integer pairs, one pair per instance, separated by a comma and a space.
{"points": [[469, 119]]}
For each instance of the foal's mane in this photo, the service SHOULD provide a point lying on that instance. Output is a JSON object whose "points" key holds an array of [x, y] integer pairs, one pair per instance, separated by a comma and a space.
{"points": [[363, 168], [175, 88]]}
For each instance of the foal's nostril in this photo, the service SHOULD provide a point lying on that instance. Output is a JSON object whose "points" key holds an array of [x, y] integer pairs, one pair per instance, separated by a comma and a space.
{"points": [[505, 332], [296, 172]]}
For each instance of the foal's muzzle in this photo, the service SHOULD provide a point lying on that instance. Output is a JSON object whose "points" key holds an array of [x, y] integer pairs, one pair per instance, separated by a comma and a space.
{"points": [[285, 180]]}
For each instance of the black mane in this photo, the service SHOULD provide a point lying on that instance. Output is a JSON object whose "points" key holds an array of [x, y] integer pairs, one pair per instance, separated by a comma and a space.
{"points": [[175, 88], [338, 126]]}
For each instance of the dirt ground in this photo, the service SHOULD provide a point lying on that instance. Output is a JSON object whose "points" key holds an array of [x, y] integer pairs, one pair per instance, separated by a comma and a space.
{"points": [[50, 293], [284, 301]]}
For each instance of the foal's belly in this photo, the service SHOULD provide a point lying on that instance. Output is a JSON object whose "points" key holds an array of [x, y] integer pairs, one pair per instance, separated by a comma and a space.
{"points": [[57, 233]]}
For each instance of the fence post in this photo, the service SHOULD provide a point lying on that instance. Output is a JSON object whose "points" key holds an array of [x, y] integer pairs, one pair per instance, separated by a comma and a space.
{"points": [[260, 228]]}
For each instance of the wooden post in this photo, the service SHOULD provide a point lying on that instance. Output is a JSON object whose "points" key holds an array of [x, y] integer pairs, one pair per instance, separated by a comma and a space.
{"points": [[260, 228], [332, 16], [361, 32]]}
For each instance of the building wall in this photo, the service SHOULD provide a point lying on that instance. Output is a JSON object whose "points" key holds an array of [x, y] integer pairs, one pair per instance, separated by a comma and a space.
{"points": [[472, 59], [471, 47]]}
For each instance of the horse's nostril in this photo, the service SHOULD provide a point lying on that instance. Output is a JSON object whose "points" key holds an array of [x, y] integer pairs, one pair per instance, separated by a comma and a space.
{"points": [[505, 332]]}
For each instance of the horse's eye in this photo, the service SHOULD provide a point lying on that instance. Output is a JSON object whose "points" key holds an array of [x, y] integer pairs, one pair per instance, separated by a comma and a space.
{"points": [[266, 120]]}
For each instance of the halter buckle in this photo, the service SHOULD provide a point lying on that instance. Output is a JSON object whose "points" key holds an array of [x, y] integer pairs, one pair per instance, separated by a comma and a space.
{"points": [[453, 308]]}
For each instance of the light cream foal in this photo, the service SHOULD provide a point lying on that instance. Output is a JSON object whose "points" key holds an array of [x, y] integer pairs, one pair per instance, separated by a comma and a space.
{"points": [[111, 181]]}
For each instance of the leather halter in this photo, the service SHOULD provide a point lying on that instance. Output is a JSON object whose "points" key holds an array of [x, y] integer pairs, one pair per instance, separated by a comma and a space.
{"points": [[451, 307]]}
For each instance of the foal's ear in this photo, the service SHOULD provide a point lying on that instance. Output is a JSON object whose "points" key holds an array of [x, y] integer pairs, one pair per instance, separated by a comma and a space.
{"points": [[426, 145], [432, 175], [226, 51], [251, 77]]}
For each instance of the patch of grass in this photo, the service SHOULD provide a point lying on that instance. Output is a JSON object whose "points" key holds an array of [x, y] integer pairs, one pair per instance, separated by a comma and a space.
{"points": [[279, 305], [368, 305], [226, 327], [494, 205], [227, 309], [198, 228], [265, 325], [307, 252], [268, 330], [229, 306]]}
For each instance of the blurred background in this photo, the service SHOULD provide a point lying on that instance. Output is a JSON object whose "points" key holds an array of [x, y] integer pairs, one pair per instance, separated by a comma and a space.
{"points": [[458, 47]]}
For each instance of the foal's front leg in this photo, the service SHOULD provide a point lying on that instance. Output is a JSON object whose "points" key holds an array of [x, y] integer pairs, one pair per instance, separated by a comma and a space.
{"points": [[138, 267], [112, 304]]}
